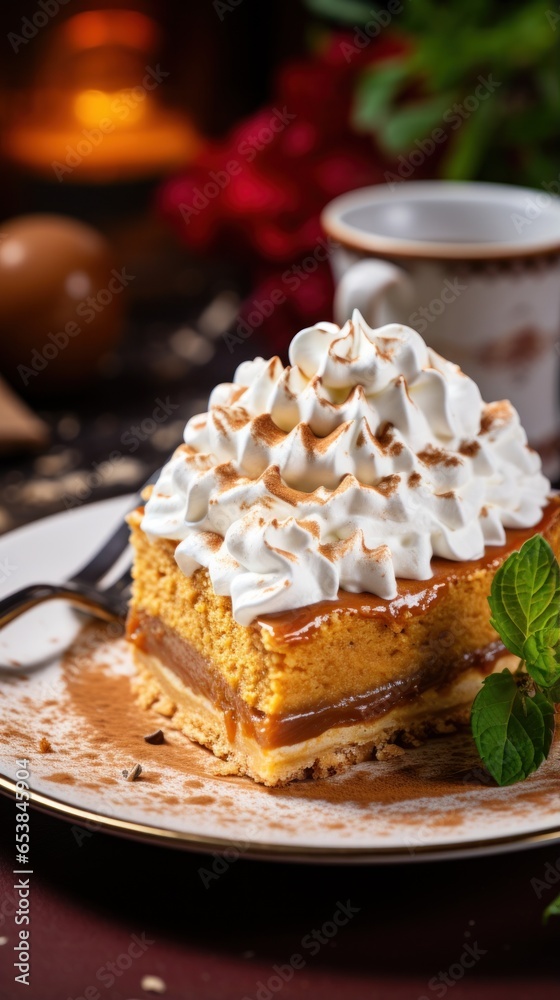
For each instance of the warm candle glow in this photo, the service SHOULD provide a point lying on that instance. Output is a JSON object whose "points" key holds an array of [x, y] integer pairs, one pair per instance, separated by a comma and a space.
{"points": [[92, 106], [98, 112], [96, 28]]}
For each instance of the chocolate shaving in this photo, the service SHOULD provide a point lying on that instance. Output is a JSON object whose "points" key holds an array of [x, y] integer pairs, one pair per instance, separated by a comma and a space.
{"points": [[134, 774], [155, 738]]}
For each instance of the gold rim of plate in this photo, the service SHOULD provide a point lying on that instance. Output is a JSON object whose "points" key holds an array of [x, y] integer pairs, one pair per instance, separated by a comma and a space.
{"points": [[281, 852]]}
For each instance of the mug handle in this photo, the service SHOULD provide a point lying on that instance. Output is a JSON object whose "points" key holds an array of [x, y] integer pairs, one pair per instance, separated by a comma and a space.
{"points": [[381, 291]]}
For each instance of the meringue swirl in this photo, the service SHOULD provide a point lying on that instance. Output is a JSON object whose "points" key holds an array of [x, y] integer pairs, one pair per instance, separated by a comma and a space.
{"points": [[348, 469]]}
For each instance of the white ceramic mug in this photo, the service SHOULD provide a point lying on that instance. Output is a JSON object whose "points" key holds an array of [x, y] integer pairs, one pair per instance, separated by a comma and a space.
{"points": [[475, 268]]}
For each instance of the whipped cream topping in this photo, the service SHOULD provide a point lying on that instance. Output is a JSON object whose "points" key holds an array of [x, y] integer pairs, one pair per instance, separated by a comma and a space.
{"points": [[348, 469]]}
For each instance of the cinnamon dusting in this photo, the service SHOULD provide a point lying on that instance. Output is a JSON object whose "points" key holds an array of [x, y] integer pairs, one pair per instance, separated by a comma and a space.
{"points": [[495, 413], [385, 434], [388, 485], [469, 448], [311, 526], [264, 430], [235, 416], [211, 539], [385, 438], [431, 456], [320, 445], [226, 475]]}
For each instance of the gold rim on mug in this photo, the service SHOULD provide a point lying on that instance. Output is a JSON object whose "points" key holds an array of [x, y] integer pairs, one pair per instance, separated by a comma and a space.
{"points": [[395, 247]]}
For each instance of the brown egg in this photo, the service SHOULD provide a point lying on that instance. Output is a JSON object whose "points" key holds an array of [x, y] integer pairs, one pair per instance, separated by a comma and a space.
{"points": [[62, 299]]}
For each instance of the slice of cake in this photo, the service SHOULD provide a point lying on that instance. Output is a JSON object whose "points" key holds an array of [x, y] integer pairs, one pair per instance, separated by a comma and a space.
{"points": [[312, 567]]}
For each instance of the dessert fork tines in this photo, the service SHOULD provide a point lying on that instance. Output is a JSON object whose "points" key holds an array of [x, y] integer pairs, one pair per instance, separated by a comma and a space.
{"points": [[84, 590]]}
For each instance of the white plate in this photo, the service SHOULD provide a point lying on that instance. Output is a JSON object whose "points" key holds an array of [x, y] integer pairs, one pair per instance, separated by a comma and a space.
{"points": [[433, 801]]}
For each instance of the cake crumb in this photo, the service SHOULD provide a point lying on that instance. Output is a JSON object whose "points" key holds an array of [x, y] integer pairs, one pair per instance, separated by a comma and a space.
{"points": [[153, 984], [409, 740], [165, 706], [389, 751], [223, 768], [45, 745]]}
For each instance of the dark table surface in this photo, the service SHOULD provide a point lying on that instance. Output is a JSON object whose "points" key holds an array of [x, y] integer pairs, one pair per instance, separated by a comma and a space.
{"points": [[110, 433], [416, 928]]}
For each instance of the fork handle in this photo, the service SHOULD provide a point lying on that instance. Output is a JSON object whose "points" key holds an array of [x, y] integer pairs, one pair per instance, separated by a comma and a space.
{"points": [[23, 600]]}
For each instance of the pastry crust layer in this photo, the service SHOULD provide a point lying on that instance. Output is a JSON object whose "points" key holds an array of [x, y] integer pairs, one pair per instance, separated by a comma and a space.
{"points": [[283, 666], [337, 748]]}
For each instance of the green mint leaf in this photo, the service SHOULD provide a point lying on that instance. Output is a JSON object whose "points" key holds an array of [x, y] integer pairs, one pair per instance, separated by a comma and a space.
{"points": [[542, 657], [552, 910], [513, 733], [525, 595]]}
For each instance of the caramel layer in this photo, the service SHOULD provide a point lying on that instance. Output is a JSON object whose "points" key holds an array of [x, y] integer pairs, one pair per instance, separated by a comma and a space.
{"points": [[270, 731], [413, 597]]}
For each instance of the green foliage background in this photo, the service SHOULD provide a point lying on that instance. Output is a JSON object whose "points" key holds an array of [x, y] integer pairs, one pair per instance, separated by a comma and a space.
{"points": [[515, 134]]}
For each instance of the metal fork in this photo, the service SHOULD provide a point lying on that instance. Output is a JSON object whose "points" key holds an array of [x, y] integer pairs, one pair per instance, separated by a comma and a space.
{"points": [[83, 590]]}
